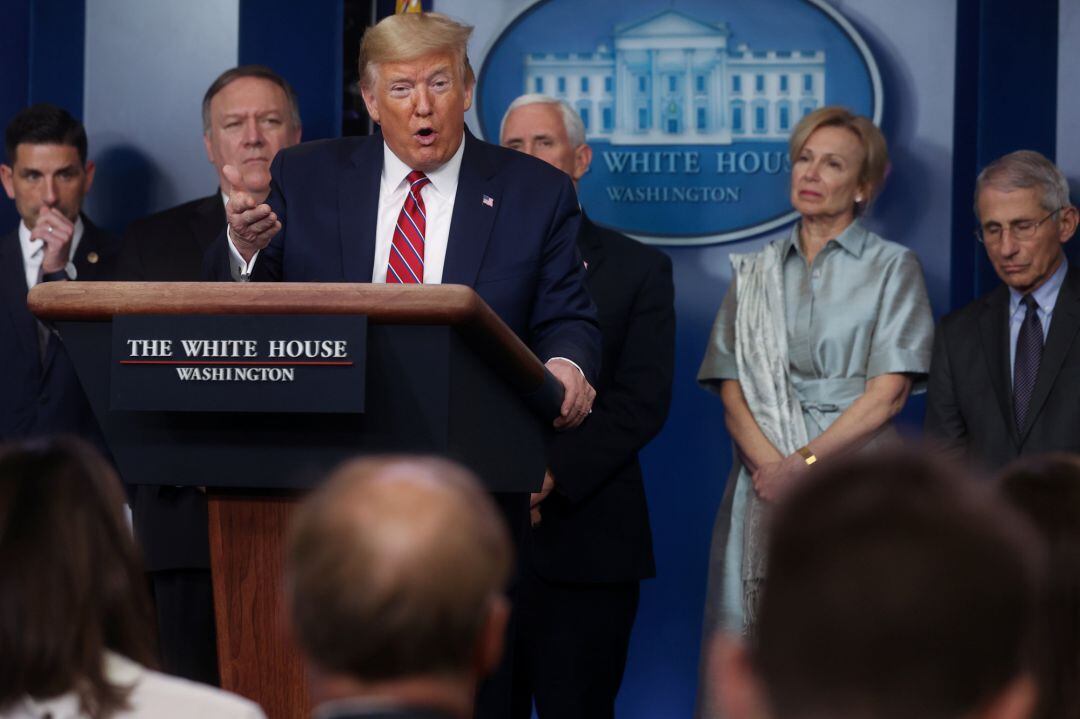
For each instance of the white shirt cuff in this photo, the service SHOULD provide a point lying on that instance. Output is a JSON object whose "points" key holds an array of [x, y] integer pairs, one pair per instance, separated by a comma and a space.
{"points": [[241, 270], [576, 365]]}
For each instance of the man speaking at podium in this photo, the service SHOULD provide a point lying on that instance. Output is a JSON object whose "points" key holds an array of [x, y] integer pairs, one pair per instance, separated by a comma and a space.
{"points": [[423, 201]]}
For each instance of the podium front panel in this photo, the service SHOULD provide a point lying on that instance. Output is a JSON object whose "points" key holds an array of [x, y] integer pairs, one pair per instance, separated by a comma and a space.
{"points": [[427, 393]]}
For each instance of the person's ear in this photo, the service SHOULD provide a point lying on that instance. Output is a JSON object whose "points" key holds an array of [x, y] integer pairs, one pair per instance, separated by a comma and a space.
{"points": [[1016, 701], [90, 169], [492, 637], [737, 691], [371, 101], [582, 160], [7, 178], [1070, 216]]}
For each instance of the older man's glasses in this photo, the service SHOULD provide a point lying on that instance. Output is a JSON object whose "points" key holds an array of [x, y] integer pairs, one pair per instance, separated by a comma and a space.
{"points": [[1019, 230]]}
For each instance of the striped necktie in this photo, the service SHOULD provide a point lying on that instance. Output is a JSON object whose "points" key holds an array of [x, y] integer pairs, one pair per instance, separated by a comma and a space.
{"points": [[406, 265]]}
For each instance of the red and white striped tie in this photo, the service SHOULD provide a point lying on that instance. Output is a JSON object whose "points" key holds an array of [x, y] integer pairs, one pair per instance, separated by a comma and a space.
{"points": [[406, 264]]}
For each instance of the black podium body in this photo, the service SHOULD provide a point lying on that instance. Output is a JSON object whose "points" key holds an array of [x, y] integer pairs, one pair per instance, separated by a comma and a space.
{"points": [[444, 375]]}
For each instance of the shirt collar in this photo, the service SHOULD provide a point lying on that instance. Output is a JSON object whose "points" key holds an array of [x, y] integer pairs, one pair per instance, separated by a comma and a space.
{"points": [[444, 178], [29, 247], [1046, 294], [852, 239]]}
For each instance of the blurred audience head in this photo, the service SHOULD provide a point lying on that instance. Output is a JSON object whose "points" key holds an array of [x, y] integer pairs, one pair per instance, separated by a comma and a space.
{"points": [[395, 577], [1046, 489], [249, 113], [46, 162], [73, 583], [897, 588]]}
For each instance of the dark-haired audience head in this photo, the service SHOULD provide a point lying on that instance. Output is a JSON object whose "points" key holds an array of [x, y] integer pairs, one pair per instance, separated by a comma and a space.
{"points": [[897, 588], [249, 113], [46, 165], [1025, 218], [73, 583], [1046, 489], [395, 577]]}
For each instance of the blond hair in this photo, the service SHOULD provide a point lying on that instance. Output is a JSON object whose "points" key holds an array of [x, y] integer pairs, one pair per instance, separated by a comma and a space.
{"points": [[408, 36], [875, 150]]}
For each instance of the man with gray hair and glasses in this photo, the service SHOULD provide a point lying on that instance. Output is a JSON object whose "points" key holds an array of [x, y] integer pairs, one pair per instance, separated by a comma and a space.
{"points": [[1004, 377]]}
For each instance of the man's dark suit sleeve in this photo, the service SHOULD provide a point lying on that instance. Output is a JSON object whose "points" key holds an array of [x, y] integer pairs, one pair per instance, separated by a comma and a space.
{"points": [[944, 425], [634, 405], [562, 322]]}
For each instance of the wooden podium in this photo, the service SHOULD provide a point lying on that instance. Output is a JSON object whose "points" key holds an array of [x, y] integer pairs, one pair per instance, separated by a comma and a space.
{"points": [[473, 392]]}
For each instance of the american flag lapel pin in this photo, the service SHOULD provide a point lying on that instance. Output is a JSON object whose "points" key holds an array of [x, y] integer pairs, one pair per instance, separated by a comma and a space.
{"points": [[488, 201]]}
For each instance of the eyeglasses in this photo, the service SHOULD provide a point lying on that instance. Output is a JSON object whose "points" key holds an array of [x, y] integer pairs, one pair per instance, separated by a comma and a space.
{"points": [[1019, 230]]}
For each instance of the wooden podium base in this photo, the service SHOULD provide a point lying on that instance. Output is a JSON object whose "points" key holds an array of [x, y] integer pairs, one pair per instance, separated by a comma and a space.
{"points": [[256, 655]]}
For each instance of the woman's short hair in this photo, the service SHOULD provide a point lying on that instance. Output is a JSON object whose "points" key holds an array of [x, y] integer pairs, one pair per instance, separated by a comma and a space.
{"points": [[875, 149], [407, 36], [71, 577], [1025, 169]]}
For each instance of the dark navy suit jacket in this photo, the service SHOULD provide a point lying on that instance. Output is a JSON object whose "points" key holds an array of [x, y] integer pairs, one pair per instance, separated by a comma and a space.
{"points": [[595, 525], [969, 405], [41, 394], [512, 236]]}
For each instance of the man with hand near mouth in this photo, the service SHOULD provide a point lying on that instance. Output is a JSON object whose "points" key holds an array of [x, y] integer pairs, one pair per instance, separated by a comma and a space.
{"points": [[1003, 378], [47, 175]]}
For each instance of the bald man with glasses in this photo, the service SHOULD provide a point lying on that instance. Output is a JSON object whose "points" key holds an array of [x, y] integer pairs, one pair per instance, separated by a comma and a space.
{"points": [[1005, 372]]}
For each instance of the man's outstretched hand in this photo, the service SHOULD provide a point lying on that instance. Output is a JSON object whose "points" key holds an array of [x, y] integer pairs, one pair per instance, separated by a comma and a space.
{"points": [[251, 224]]}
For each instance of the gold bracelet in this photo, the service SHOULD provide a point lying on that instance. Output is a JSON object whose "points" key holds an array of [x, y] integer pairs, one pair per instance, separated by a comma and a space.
{"points": [[808, 456]]}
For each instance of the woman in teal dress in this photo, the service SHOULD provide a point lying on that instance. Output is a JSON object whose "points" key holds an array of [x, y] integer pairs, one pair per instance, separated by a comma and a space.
{"points": [[820, 339]]}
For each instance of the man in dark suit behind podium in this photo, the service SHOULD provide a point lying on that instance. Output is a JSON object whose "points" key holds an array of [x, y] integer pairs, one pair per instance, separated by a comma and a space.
{"points": [[249, 113], [425, 201], [591, 545], [395, 576], [1005, 371], [47, 175]]}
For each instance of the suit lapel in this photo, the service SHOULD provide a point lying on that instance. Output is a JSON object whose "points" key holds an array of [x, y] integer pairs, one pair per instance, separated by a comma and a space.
{"points": [[95, 247], [358, 207], [206, 222], [13, 287], [994, 335], [474, 216], [590, 247], [1064, 324]]}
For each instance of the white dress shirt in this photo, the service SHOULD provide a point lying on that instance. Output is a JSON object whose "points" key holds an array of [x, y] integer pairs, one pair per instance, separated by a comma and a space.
{"points": [[438, 196], [33, 253], [1046, 296]]}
